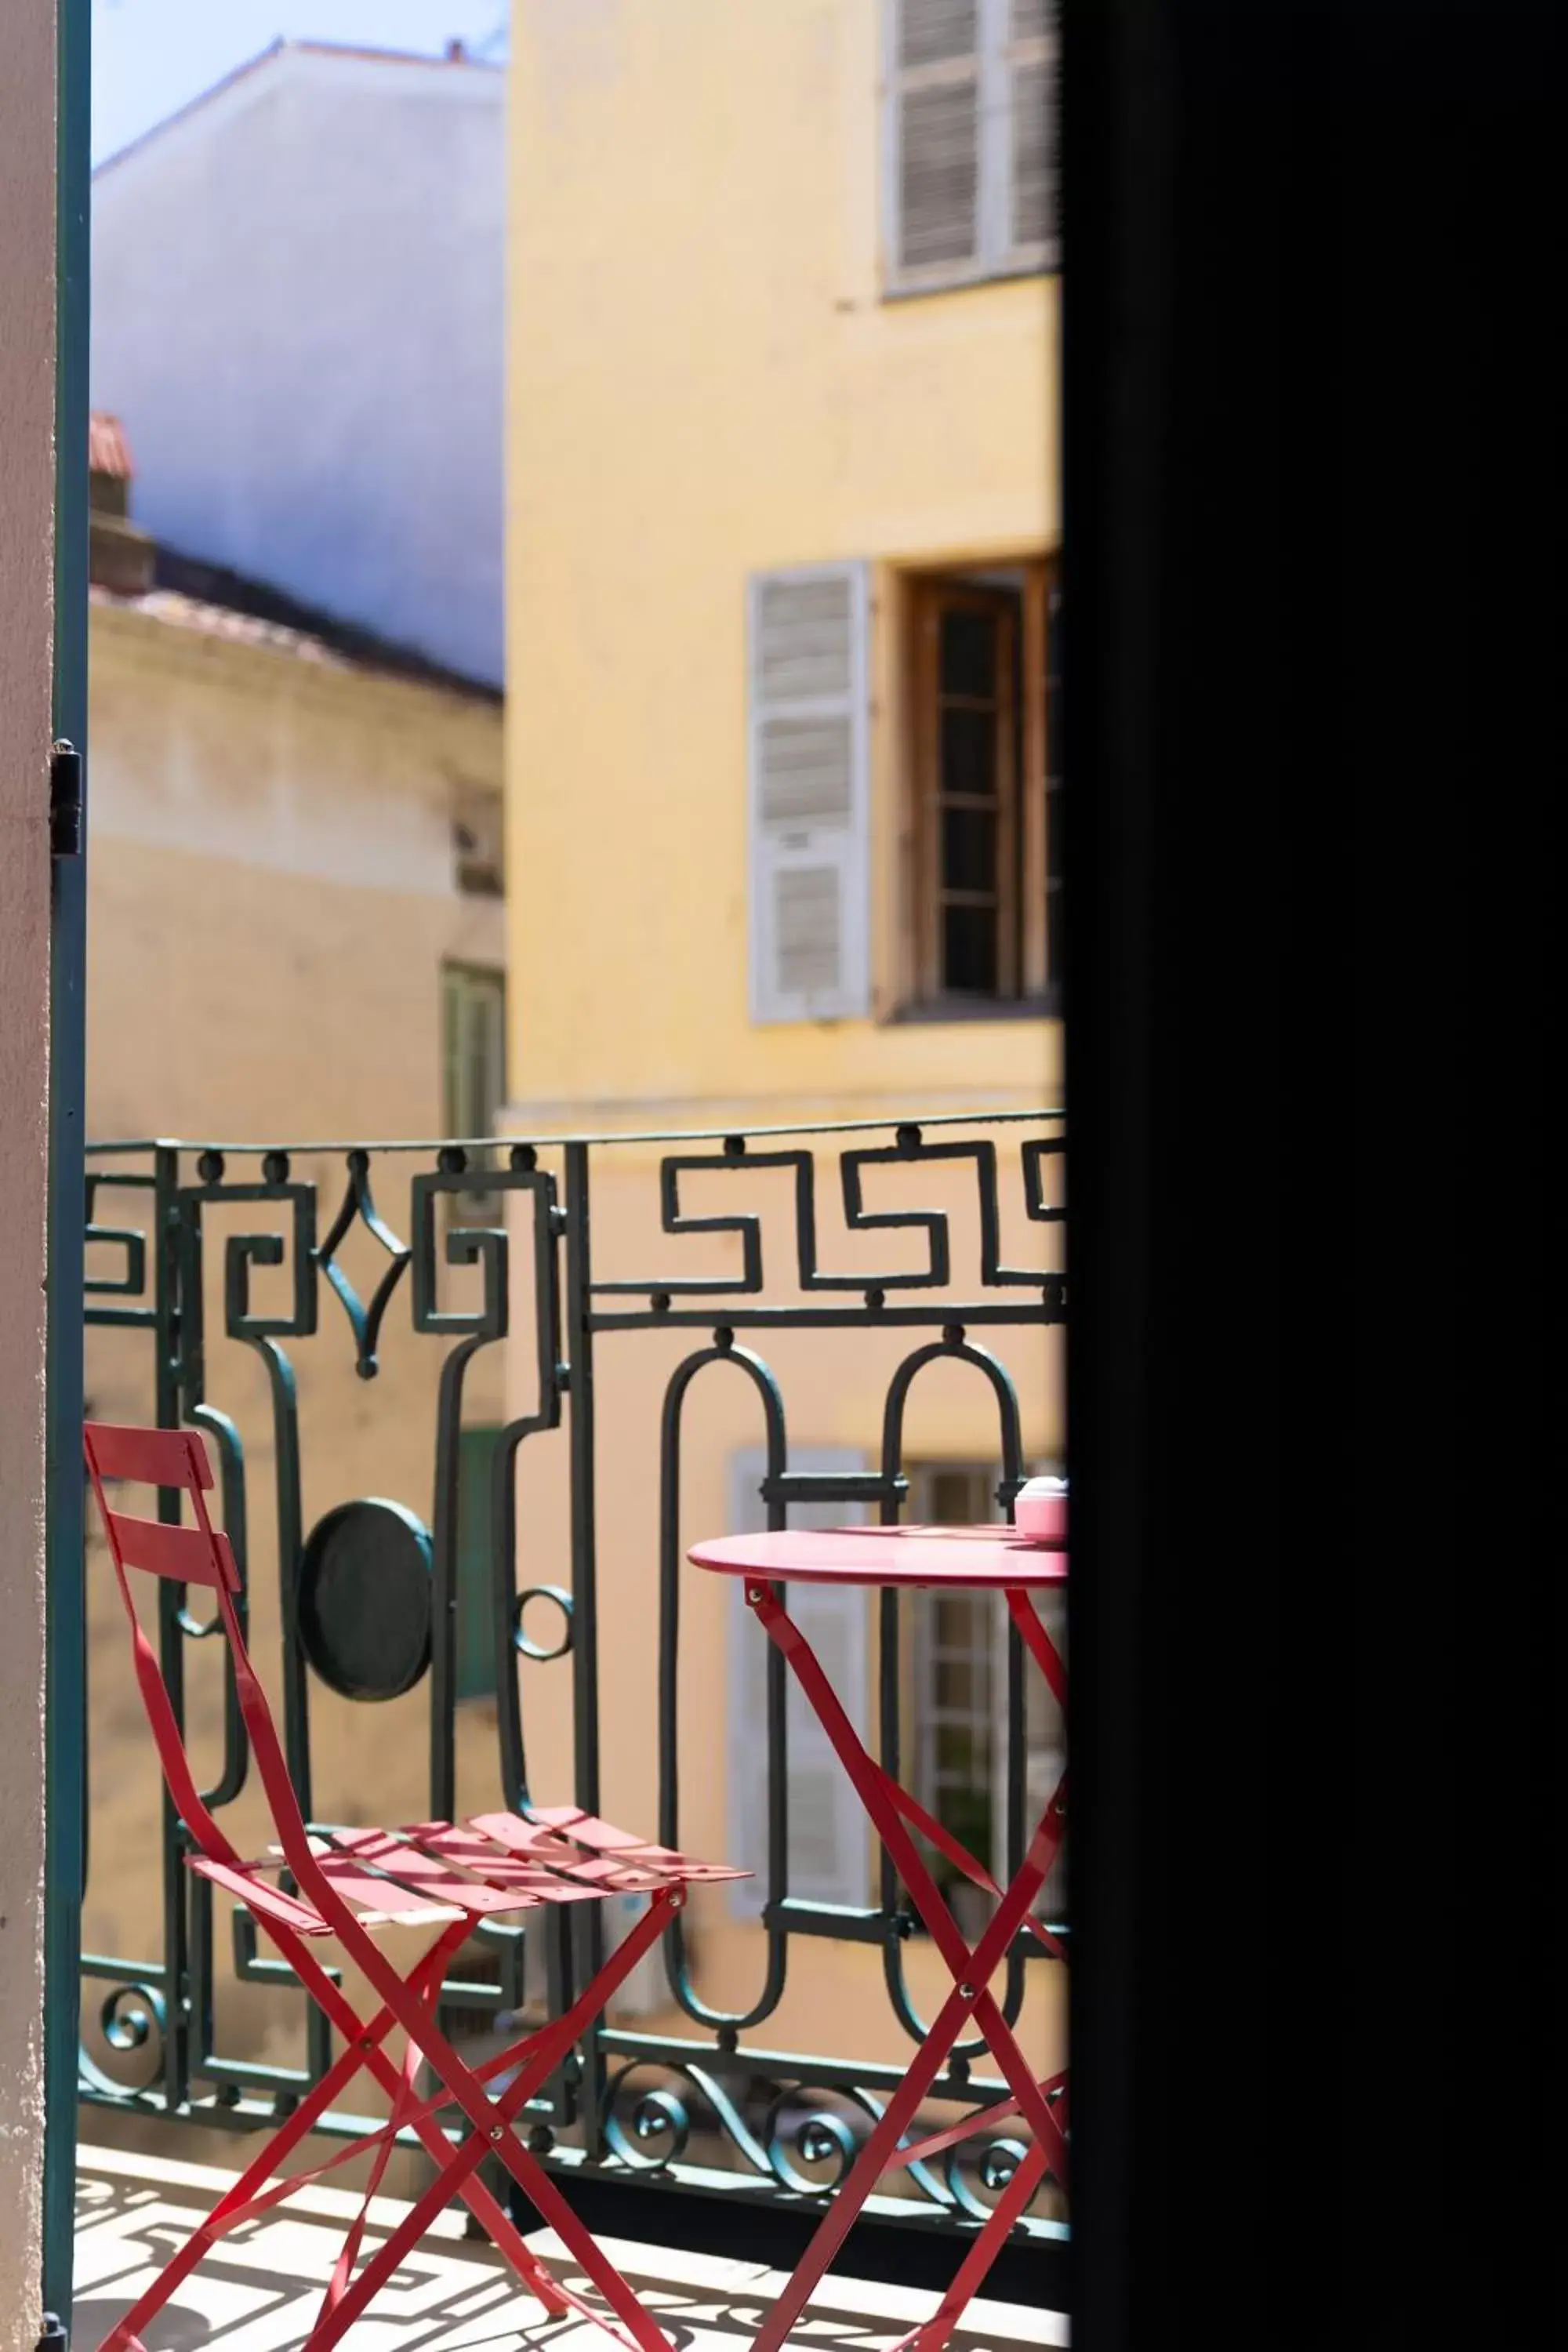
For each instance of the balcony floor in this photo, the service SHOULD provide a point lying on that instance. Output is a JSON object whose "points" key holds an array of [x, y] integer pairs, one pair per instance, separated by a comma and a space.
{"points": [[261, 2292]]}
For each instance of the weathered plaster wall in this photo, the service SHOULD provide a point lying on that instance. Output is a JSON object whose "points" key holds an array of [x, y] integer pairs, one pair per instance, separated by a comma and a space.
{"points": [[273, 894], [26, 533]]}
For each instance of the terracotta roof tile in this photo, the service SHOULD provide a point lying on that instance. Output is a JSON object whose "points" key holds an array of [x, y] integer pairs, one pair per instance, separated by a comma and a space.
{"points": [[108, 451], [181, 611]]}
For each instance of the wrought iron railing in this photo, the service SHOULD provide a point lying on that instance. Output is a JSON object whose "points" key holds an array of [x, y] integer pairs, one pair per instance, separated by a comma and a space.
{"points": [[199, 1253]]}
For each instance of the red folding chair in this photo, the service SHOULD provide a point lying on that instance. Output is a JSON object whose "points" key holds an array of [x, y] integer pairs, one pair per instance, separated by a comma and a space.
{"points": [[348, 1884]]}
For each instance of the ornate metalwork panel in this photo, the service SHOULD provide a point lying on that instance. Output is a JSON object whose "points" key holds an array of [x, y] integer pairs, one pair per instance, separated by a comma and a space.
{"points": [[359, 1259]]}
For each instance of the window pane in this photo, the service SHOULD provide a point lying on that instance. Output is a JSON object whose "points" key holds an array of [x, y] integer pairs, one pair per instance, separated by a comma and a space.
{"points": [[959, 1498], [959, 1620], [969, 751], [963, 1809], [968, 849], [968, 653], [956, 1685], [959, 1752], [969, 950], [955, 1706]]}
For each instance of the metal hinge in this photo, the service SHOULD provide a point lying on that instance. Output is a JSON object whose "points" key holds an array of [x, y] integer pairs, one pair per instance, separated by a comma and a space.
{"points": [[54, 2337], [65, 809]]}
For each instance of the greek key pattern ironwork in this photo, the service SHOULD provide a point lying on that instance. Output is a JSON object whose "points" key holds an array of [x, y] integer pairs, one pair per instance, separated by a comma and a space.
{"points": [[190, 1246]]}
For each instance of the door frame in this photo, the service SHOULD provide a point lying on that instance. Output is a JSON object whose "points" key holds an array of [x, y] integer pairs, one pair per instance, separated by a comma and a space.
{"points": [[64, 1689]]}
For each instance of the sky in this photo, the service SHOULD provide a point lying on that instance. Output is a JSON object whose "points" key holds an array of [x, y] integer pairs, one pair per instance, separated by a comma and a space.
{"points": [[150, 57]]}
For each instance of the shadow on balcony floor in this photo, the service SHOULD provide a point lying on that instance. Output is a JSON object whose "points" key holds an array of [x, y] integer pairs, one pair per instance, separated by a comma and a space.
{"points": [[260, 2291]]}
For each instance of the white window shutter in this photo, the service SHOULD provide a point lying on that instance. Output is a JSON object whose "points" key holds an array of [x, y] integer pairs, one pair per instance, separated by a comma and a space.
{"points": [[970, 139], [810, 816], [829, 1851], [1030, 84], [934, 137], [644, 1987]]}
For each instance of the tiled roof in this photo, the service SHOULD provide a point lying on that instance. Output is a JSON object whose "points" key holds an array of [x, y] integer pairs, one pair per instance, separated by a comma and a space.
{"points": [[182, 612], [214, 601], [335, 646], [108, 451]]}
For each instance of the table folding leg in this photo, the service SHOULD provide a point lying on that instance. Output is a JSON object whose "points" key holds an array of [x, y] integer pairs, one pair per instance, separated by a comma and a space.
{"points": [[888, 1808]]}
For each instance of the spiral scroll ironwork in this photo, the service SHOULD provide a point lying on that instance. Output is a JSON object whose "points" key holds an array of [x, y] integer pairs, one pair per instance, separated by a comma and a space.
{"points": [[130, 2018], [800, 2140]]}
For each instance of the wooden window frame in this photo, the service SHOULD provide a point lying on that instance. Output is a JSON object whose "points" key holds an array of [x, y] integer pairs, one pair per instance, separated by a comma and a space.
{"points": [[1040, 784], [1027, 795]]}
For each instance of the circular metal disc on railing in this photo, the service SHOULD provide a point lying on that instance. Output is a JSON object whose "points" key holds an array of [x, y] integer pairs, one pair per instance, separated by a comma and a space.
{"points": [[365, 1600]]}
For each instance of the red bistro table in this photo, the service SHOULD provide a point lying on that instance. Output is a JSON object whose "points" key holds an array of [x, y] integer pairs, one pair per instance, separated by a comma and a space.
{"points": [[996, 1558]]}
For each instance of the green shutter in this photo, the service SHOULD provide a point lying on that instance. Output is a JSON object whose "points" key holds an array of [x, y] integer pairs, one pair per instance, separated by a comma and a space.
{"points": [[451, 1052], [473, 1065]]}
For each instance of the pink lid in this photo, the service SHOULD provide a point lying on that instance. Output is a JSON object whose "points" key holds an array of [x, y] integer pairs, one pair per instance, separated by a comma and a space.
{"points": [[1040, 1510]]}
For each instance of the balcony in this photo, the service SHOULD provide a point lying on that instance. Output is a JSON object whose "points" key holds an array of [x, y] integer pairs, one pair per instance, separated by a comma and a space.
{"points": [[131, 2210], [465, 1436]]}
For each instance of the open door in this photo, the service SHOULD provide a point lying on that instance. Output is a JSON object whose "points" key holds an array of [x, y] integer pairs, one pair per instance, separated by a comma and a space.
{"points": [[64, 1702]]}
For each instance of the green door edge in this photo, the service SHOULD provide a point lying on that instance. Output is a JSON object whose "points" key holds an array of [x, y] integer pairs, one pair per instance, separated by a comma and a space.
{"points": [[65, 1693]]}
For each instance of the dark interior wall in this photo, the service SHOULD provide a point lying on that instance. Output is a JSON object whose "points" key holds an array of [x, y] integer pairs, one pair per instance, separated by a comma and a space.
{"points": [[1311, 449]]}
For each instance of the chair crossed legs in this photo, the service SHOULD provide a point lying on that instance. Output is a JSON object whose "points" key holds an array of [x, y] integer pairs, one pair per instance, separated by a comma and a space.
{"points": [[350, 1884]]}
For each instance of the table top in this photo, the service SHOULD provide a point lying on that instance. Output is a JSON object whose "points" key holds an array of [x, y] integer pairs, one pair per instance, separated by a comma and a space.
{"points": [[983, 1557]]}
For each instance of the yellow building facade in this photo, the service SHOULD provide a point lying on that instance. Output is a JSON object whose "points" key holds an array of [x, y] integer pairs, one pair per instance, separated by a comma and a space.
{"points": [[783, 512], [711, 381]]}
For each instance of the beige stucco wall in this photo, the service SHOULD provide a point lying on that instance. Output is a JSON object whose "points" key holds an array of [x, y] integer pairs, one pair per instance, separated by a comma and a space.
{"points": [[706, 382], [27, 567], [272, 897], [274, 889]]}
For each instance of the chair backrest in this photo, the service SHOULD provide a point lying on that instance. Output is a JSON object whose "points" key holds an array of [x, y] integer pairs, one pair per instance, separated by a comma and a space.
{"points": [[169, 1458], [175, 1460]]}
